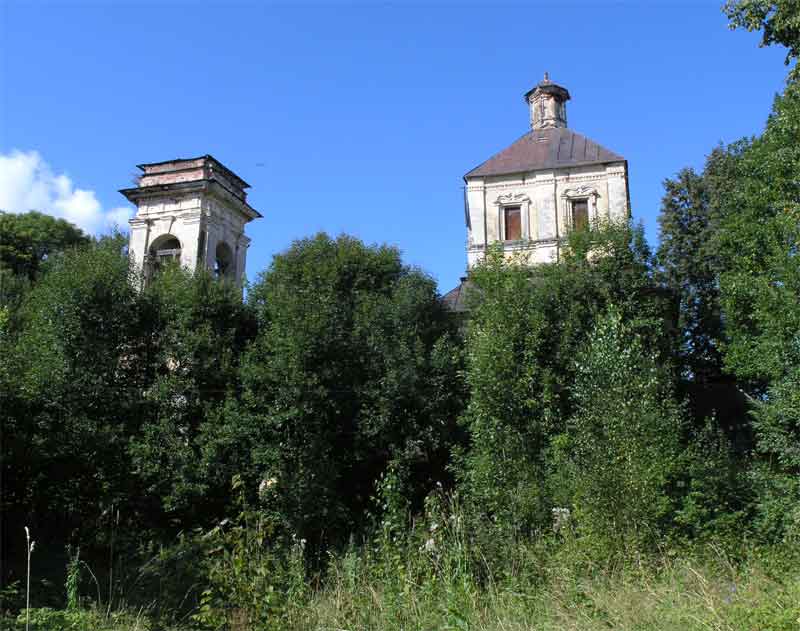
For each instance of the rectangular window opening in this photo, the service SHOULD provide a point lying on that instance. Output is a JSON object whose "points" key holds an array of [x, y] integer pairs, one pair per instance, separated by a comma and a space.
{"points": [[513, 223], [580, 214]]}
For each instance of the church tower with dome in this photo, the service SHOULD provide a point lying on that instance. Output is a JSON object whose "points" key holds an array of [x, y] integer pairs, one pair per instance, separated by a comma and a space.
{"points": [[550, 181]]}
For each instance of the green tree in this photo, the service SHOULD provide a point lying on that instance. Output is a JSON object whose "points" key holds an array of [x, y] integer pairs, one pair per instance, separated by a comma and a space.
{"points": [[758, 242], [27, 242], [524, 332], [691, 261], [779, 21], [621, 452], [66, 378], [356, 365], [68, 398], [690, 266], [107, 394], [28, 239], [197, 335], [760, 296]]}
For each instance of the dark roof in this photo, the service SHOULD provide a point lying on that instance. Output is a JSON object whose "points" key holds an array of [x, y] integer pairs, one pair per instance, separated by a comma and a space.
{"points": [[456, 299], [548, 87], [545, 149]]}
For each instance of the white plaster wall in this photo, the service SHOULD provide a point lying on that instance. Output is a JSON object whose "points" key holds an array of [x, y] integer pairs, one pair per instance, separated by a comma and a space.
{"points": [[549, 208], [136, 242], [475, 210], [185, 217]]}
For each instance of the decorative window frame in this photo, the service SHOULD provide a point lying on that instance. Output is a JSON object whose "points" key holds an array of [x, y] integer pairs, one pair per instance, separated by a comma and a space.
{"points": [[588, 193], [514, 199]]}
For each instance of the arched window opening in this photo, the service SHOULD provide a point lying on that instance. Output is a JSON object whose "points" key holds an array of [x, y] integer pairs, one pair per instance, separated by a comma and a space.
{"points": [[223, 261], [164, 250]]}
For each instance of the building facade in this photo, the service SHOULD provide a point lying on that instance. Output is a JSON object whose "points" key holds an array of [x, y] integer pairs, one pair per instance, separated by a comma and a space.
{"points": [[548, 182], [192, 211]]}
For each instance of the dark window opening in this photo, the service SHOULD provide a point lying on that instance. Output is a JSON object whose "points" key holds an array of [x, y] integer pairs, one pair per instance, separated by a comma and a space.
{"points": [[513, 223], [165, 250], [223, 261], [580, 214]]}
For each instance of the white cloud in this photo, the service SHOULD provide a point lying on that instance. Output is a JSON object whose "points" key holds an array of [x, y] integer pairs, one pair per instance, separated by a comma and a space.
{"points": [[28, 183]]}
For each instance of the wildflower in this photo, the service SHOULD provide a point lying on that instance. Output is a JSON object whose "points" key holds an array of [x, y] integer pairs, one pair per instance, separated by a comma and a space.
{"points": [[298, 544], [561, 518], [266, 485]]}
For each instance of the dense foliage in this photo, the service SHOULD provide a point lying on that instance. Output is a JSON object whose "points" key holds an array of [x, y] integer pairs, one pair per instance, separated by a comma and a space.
{"points": [[355, 370], [620, 454], [27, 242], [338, 450], [525, 330]]}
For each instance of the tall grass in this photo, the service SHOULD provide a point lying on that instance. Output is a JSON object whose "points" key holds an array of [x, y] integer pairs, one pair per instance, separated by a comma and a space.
{"points": [[560, 591], [447, 573]]}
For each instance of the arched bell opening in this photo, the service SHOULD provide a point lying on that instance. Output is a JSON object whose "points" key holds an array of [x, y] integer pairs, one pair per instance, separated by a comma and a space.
{"points": [[223, 261], [165, 250]]}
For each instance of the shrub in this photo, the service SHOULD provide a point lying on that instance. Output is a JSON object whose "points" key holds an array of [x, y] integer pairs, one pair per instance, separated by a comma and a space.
{"points": [[622, 449]]}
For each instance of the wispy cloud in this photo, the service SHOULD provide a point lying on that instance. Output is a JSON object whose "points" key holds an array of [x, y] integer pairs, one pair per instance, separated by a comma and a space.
{"points": [[27, 182]]}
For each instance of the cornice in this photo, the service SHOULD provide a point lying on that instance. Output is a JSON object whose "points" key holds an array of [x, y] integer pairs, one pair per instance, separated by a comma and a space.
{"points": [[531, 244], [598, 177], [174, 192]]}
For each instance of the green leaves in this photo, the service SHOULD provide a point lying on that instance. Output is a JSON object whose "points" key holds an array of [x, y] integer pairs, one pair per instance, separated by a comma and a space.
{"points": [[778, 19], [526, 329], [689, 262], [625, 436], [27, 241], [355, 366]]}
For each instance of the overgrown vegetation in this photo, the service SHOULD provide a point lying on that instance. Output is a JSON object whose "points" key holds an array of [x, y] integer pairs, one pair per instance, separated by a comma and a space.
{"points": [[612, 441]]}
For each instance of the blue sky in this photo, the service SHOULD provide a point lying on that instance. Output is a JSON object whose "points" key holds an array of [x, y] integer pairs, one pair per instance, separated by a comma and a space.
{"points": [[359, 117]]}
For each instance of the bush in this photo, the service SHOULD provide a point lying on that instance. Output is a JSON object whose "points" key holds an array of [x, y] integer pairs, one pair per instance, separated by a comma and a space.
{"points": [[621, 453], [356, 366], [252, 572], [526, 328]]}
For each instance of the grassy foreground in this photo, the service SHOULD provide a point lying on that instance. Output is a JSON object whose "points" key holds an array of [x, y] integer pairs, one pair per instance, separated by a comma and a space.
{"points": [[682, 595], [562, 590], [762, 593]]}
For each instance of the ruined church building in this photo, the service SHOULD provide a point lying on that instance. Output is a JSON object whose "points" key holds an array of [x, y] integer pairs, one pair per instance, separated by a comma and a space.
{"points": [[527, 198]]}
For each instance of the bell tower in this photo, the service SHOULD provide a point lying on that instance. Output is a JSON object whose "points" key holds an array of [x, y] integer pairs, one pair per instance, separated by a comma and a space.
{"points": [[192, 211]]}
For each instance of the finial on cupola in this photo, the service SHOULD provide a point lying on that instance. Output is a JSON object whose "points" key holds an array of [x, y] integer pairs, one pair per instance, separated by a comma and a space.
{"points": [[548, 104]]}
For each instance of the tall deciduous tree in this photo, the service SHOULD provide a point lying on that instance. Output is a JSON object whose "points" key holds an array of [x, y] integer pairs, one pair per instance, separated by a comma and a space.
{"points": [[760, 289], [778, 20], [355, 366], [524, 333], [68, 395], [27, 241], [199, 330], [623, 443], [690, 264]]}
